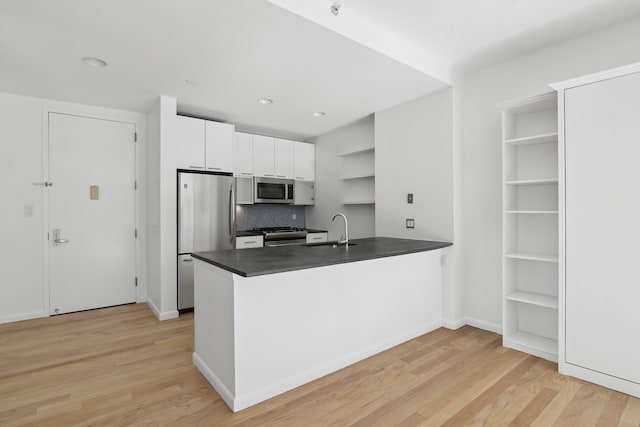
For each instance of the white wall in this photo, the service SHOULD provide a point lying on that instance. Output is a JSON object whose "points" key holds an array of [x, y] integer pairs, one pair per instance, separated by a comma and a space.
{"points": [[330, 190], [21, 237], [414, 154], [23, 138], [161, 208], [480, 90]]}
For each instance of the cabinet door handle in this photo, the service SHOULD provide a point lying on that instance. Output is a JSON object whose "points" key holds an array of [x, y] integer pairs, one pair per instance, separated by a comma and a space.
{"points": [[246, 173], [281, 176], [196, 167], [316, 238], [187, 260], [249, 242], [299, 177], [266, 174], [215, 169]]}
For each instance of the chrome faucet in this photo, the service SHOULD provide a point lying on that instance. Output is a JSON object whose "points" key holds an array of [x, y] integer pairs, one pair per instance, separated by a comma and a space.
{"points": [[345, 240]]}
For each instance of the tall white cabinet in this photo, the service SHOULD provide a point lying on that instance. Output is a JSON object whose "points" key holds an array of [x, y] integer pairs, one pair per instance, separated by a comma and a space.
{"points": [[600, 228], [530, 225]]}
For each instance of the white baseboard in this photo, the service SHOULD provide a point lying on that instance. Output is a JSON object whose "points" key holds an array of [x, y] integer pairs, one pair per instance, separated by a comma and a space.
{"points": [[22, 316], [476, 323], [453, 324], [160, 315], [237, 403], [222, 390], [242, 402], [481, 324]]}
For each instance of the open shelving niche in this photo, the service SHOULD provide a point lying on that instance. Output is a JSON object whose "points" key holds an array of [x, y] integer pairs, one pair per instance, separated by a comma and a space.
{"points": [[530, 225], [359, 181]]}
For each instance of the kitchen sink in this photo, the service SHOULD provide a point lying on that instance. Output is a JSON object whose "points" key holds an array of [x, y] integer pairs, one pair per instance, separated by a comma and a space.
{"points": [[332, 244]]}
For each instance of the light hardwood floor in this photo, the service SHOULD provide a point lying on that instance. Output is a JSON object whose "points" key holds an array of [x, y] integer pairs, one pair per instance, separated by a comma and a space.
{"points": [[119, 367]]}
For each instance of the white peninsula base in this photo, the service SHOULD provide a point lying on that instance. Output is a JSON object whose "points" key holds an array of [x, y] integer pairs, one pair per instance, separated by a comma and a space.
{"points": [[257, 337]]}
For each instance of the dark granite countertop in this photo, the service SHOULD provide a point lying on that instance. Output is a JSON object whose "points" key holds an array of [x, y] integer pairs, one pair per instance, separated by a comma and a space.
{"points": [[260, 261]]}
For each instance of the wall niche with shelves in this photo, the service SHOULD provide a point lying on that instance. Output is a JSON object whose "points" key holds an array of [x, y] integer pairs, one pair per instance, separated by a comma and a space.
{"points": [[358, 179], [530, 225]]}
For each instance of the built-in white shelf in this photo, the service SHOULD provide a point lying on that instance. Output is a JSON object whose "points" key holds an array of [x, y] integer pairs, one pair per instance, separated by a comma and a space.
{"points": [[534, 139], [362, 176], [533, 299], [533, 344], [359, 202], [532, 257], [359, 151], [533, 181], [530, 226], [531, 212]]}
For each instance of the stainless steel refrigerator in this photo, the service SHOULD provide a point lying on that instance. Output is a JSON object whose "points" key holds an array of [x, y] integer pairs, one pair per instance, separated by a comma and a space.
{"points": [[206, 222]]}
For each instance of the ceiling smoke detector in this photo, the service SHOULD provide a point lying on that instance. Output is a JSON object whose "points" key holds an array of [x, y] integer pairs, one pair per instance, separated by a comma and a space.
{"points": [[335, 9]]}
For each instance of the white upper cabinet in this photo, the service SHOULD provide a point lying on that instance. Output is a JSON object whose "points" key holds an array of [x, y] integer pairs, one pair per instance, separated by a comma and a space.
{"points": [[283, 158], [242, 154], [218, 147], [203, 145], [304, 161], [190, 143], [263, 156]]}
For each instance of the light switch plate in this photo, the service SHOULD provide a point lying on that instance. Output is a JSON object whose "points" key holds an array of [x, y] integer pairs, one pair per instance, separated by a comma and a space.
{"points": [[411, 223], [94, 192]]}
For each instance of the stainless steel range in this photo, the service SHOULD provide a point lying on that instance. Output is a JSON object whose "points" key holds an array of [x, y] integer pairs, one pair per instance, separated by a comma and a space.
{"points": [[282, 236]]}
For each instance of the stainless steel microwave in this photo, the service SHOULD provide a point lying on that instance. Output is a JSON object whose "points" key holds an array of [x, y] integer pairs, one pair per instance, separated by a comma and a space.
{"points": [[273, 190]]}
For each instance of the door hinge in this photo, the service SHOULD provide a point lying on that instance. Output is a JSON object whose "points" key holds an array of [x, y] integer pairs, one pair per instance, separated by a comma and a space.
{"points": [[47, 236], [135, 137], [135, 185], [135, 233], [136, 281]]}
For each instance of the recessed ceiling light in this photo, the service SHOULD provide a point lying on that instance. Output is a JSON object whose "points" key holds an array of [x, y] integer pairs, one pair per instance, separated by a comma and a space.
{"points": [[94, 62], [319, 114], [265, 101]]}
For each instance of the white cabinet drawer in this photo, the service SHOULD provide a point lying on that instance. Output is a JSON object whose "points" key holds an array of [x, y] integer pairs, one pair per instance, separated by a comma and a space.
{"points": [[245, 242], [317, 237]]}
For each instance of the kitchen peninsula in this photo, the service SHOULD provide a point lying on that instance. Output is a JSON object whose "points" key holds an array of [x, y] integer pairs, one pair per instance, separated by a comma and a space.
{"points": [[270, 319]]}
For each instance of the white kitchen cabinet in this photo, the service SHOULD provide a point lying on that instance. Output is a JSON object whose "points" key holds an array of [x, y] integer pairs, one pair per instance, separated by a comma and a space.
{"points": [[246, 242], [190, 137], [263, 156], [203, 145], [600, 230], [244, 190], [317, 237], [283, 158], [218, 146], [304, 193], [530, 225], [304, 161], [242, 154]]}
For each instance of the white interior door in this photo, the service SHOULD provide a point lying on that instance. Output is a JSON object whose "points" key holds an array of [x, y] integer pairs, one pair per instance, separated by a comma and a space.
{"points": [[91, 213]]}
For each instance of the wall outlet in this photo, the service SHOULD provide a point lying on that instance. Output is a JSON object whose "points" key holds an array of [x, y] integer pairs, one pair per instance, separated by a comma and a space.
{"points": [[294, 216], [410, 198], [411, 223]]}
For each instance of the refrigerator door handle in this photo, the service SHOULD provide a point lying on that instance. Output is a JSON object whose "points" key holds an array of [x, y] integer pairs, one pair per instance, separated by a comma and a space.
{"points": [[232, 216]]}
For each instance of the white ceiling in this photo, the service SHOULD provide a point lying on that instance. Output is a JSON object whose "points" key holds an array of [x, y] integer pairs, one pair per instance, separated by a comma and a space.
{"points": [[372, 56]]}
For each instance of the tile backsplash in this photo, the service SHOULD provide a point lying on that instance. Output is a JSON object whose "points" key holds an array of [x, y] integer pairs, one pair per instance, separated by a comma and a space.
{"points": [[266, 215]]}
